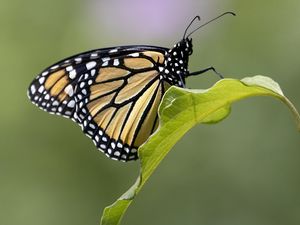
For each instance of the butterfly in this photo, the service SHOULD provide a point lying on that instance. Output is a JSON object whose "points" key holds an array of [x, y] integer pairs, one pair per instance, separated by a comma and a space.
{"points": [[114, 93]]}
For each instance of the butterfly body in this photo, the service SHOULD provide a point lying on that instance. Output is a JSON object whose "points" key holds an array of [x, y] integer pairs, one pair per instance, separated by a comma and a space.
{"points": [[113, 93]]}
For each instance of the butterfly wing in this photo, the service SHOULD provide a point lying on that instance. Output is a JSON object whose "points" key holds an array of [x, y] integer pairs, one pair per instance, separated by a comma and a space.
{"points": [[113, 94]]}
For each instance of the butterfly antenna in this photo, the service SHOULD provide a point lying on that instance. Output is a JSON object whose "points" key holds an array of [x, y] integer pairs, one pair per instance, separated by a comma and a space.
{"points": [[196, 17], [223, 14]]}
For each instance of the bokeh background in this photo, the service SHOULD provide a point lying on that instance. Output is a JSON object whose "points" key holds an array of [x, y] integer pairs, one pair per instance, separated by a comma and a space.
{"points": [[242, 171]]}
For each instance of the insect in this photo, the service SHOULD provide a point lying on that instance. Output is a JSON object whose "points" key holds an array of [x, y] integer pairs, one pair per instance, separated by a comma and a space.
{"points": [[114, 93]]}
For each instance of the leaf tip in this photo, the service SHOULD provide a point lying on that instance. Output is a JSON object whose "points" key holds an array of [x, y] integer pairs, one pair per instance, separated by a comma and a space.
{"points": [[263, 81]]}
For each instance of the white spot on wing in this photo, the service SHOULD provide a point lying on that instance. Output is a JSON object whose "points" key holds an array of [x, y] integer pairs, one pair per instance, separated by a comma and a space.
{"points": [[91, 65], [97, 138], [119, 145], [41, 80], [103, 146], [117, 153], [82, 84], [72, 74], [116, 62], [41, 89], [32, 89], [78, 60], [92, 126], [113, 50], [55, 103], [104, 139], [45, 73], [69, 68], [47, 96], [136, 54], [105, 59], [71, 104], [69, 90], [83, 91], [54, 67]]}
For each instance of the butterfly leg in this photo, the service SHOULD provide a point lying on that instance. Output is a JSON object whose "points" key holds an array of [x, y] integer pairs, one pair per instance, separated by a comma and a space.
{"points": [[204, 71]]}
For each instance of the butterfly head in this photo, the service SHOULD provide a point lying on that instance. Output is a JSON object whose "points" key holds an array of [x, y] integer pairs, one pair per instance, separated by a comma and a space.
{"points": [[180, 53], [175, 69], [186, 46]]}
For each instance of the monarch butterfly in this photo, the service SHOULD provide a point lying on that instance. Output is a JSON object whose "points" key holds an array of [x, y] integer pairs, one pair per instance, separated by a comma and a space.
{"points": [[114, 93]]}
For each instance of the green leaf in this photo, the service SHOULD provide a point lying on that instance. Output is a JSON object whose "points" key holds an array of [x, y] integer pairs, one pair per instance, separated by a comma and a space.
{"points": [[180, 110]]}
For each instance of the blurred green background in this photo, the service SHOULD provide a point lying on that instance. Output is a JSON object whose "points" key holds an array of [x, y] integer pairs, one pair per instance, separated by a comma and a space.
{"points": [[242, 171]]}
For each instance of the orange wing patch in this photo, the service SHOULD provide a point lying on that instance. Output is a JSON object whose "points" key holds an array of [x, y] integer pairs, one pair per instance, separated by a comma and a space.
{"points": [[137, 63], [58, 88], [134, 118], [96, 105], [104, 117], [156, 56], [53, 78], [135, 84], [114, 129], [98, 90], [109, 73], [148, 125]]}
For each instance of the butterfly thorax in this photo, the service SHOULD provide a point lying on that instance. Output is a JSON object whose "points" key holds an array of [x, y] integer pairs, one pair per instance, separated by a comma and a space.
{"points": [[176, 63]]}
